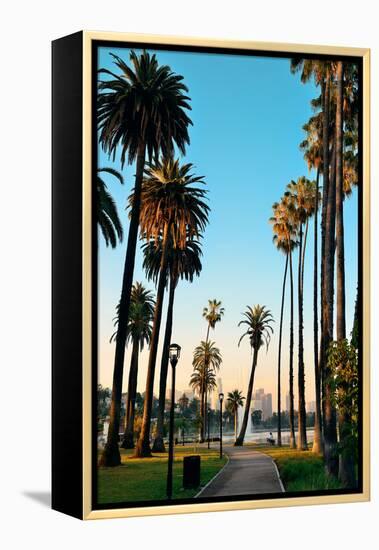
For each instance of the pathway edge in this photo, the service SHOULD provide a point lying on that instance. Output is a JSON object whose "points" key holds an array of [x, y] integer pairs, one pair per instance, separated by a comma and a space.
{"points": [[214, 477], [278, 474]]}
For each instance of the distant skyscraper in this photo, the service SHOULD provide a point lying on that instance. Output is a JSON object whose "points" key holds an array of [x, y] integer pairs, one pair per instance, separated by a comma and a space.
{"points": [[262, 401], [267, 406]]}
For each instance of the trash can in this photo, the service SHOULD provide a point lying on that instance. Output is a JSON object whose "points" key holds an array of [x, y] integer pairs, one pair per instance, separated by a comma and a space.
{"points": [[191, 472]]}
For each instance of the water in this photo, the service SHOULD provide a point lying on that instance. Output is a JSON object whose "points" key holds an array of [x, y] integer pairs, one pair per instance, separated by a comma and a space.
{"points": [[257, 435]]}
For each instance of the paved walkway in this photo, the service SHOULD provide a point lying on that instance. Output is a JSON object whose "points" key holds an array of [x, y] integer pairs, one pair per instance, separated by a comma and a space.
{"points": [[247, 472]]}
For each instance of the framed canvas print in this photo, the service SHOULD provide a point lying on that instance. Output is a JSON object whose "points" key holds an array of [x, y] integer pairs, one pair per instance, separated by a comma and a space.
{"points": [[210, 275]]}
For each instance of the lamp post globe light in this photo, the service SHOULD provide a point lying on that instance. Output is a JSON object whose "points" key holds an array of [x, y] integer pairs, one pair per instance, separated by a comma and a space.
{"points": [[221, 399], [174, 354]]}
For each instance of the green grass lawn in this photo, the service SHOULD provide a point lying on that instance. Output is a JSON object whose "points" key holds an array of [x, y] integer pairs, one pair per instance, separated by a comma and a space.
{"points": [[145, 478], [300, 470]]}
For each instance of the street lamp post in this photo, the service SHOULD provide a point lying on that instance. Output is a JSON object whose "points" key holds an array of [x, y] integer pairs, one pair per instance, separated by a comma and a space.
{"points": [[208, 416], [221, 399], [174, 354]]}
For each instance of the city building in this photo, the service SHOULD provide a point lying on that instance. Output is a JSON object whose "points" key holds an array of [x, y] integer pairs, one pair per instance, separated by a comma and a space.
{"points": [[262, 401]]}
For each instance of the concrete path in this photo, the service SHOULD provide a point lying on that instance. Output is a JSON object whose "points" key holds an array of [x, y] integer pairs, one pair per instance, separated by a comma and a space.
{"points": [[247, 472]]}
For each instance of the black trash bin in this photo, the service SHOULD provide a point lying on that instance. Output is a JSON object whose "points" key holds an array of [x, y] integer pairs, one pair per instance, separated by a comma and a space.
{"points": [[191, 472]]}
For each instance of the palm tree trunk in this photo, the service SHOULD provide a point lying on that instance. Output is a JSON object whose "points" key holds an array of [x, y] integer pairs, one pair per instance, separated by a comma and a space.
{"points": [[235, 423], [158, 445], [205, 414], [204, 417], [207, 338], [280, 355], [143, 446], [128, 439], [317, 439], [330, 419], [241, 436], [291, 395], [340, 246], [302, 434], [111, 453], [346, 463], [202, 414]]}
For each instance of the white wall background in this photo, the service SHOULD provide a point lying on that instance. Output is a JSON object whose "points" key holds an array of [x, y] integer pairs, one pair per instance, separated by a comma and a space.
{"points": [[26, 31]]}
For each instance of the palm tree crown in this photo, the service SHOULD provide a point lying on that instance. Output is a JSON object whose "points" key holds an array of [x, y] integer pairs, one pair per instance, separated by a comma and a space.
{"points": [[203, 380], [107, 215], [302, 196], [258, 320], [235, 400], [140, 317], [146, 104], [206, 354], [285, 231], [213, 313], [169, 199], [183, 263]]}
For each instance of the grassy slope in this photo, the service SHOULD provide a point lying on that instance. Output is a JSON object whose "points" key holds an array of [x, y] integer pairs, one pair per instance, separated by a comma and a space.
{"points": [[300, 470], [145, 479]]}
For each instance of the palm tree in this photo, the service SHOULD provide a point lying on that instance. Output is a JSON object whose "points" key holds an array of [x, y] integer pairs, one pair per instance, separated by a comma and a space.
{"points": [[107, 215], [346, 176], [206, 354], [259, 330], [183, 263], [235, 400], [280, 240], [206, 360], [312, 147], [142, 110], [138, 333], [301, 194], [285, 233], [173, 210], [213, 314], [322, 72], [340, 246], [202, 379]]}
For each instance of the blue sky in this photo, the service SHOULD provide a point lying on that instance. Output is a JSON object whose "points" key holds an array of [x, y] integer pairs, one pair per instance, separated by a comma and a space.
{"points": [[247, 115]]}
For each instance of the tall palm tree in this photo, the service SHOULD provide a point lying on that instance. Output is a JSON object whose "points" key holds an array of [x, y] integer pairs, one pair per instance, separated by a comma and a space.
{"points": [[259, 330], [208, 355], [346, 176], [301, 194], [203, 379], [322, 72], [141, 111], [213, 314], [107, 215], [138, 333], [183, 263], [340, 246], [281, 242], [173, 209], [312, 147], [235, 400], [285, 233], [206, 361]]}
